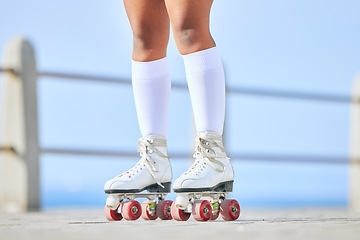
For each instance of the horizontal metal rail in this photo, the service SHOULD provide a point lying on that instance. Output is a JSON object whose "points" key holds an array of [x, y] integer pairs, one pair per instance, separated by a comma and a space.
{"points": [[296, 95], [101, 153], [9, 149], [82, 77], [94, 78], [309, 96], [6, 70], [293, 158], [183, 155]]}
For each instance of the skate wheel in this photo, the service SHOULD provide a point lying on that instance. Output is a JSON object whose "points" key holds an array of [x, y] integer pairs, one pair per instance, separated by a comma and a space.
{"points": [[230, 209], [214, 216], [145, 211], [131, 210], [112, 215], [163, 210], [179, 214], [201, 210]]}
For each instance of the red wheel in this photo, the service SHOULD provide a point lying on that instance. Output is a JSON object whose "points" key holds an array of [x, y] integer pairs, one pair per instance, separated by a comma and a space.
{"points": [[163, 210], [178, 214], [230, 209], [131, 210], [214, 216], [201, 210], [145, 212], [112, 215]]}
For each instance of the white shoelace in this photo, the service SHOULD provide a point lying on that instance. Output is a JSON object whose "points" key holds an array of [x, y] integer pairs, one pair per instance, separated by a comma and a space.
{"points": [[206, 155], [145, 147]]}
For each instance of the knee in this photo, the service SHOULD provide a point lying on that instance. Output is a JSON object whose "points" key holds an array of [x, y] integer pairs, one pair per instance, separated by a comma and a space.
{"points": [[190, 38], [147, 39], [149, 43], [185, 34]]}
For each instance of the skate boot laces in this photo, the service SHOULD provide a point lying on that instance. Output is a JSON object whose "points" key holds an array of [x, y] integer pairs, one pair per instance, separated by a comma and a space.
{"points": [[205, 154], [146, 147]]}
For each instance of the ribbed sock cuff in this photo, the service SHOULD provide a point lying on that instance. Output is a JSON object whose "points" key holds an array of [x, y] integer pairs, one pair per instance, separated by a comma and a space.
{"points": [[202, 61], [152, 69]]}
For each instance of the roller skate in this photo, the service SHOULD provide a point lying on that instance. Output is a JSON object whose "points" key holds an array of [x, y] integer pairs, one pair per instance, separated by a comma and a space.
{"points": [[203, 189], [150, 178]]}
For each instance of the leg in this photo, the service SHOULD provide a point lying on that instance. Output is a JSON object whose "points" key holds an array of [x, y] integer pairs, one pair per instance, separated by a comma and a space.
{"points": [[151, 85], [150, 25], [204, 70], [190, 24], [211, 170], [150, 75]]}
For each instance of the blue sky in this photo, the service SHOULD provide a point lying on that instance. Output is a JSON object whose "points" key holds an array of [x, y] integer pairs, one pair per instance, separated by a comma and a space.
{"points": [[309, 45]]}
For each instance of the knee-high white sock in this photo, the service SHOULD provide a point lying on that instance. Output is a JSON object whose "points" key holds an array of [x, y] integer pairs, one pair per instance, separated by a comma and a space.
{"points": [[206, 82], [151, 87]]}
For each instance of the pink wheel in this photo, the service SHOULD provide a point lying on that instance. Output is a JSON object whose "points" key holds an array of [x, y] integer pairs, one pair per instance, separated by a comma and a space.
{"points": [[145, 212], [214, 216], [112, 215], [230, 209], [178, 214], [163, 210], [201, 210], [131, 210]]}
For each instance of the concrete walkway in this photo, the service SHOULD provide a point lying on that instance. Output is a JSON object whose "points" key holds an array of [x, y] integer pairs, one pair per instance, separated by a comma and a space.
{"points": [[253, 224]]}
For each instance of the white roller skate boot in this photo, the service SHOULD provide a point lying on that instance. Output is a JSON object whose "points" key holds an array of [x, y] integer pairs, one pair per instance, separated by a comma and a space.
{"points": [[152, 173], [210, 177]]}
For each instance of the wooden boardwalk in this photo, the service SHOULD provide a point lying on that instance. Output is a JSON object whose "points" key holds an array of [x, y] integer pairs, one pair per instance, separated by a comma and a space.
{"points": [[253, 224]]}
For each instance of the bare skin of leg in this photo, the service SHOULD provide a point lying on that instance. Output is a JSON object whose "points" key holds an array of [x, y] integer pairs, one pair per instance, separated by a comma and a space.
{"points": [[150, 24], [190, 24]]}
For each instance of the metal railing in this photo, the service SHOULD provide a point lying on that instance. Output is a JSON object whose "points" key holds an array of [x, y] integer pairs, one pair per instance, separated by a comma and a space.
{"points": [[259, 92], [253, 91], [29, 73], [298, 95]]}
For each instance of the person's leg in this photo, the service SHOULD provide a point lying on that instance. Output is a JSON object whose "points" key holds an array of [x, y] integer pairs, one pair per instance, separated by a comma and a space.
{"points": [[150, 74], [204, 70], [211, 170], [151, 86], [190, 24], [150, 24]]}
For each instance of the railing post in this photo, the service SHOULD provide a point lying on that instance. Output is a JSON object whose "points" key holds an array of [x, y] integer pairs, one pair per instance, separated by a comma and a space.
{"points": [[20, 188], [354, 186]]}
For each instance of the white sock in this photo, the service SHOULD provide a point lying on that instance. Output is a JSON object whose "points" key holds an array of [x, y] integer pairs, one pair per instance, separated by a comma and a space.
{"points": [[151, 87], [206, 81]]}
